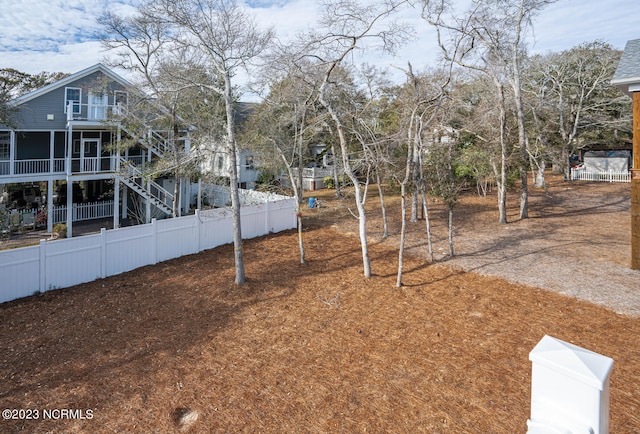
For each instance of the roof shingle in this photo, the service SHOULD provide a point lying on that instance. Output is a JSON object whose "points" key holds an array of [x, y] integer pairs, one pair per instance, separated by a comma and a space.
{"points": [[628, 71]]}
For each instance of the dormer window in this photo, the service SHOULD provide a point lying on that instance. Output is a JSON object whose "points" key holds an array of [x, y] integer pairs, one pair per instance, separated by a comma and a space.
{"points": [[72, 96]]}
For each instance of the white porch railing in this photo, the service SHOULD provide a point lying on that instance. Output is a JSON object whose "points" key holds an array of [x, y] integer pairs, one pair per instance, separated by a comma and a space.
{"points": [[138, 160], [43, 166], [317, 172], [133, 177], [92, 112], [83, 211], [584, 175], [32, 166]]}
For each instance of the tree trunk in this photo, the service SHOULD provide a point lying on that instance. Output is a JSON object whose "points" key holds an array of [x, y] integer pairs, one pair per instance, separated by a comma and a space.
{"points": [[522, 133], [300, 240], [176, 199], [540, 181], [403, 193], [297, 194], [385, 224], [362, 217], [502, 184], [425, 209], [414, 204], [336, 178], [233, 178], [403, 231], [451, 251]]}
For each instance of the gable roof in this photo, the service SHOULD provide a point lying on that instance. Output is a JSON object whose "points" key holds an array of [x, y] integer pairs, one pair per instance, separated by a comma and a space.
{"points": [[628, 72], [99, 67]]}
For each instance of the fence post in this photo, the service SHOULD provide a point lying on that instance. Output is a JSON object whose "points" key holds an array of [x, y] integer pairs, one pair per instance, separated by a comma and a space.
{"points": [[154, 240], [197, 230], [103, 253], [267, 218], [569, 389], [43, 265]]}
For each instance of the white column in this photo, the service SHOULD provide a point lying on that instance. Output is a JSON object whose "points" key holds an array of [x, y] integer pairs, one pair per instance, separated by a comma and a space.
{"points": [[147, 202], [69, 149], [12, 153], [69, 207], [116, 203], [52, 136], [49, 206]]}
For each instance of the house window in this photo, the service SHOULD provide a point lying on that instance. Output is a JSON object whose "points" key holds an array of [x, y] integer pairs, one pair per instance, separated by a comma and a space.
{"points": [[73, 96], [249, 162], [220, 162], [5, 145], [98, 106]]}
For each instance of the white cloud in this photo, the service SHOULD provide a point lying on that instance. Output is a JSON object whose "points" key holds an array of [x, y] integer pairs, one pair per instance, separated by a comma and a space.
{"points": [[288, 18], [44, 35], [568, 23], [60, 35]]}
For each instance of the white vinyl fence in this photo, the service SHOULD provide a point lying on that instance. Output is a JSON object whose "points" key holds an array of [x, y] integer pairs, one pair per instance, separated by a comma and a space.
{"points": [[67, 262], [609, 176]]}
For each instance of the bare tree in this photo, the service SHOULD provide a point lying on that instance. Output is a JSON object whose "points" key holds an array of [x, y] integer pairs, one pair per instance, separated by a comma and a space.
{"points": [[216, 37], [371, 133], [490, 37], [137, 44], [346, 26], [570, 98], [282, 126], [419, 102]]}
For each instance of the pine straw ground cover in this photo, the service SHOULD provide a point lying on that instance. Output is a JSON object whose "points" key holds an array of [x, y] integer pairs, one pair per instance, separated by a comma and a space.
{"points": [[299, 348]]}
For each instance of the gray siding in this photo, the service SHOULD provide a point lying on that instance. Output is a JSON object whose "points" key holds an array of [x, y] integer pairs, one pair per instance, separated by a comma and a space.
{"points": [[33, 114]]}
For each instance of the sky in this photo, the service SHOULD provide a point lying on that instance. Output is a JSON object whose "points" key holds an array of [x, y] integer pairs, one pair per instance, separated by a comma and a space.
{"points": [[62, 35]]}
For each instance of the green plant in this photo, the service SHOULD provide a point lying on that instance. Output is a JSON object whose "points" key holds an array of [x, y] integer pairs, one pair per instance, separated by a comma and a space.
{"points": [[329, 182], [60, 230]]}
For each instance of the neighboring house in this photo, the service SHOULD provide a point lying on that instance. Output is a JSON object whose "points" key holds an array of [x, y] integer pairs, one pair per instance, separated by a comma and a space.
{"points": [[215, 161], [314, 175], [65, 137]]}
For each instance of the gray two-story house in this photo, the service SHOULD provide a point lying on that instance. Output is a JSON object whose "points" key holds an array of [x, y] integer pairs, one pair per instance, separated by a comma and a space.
{"points": [[65, 141]]}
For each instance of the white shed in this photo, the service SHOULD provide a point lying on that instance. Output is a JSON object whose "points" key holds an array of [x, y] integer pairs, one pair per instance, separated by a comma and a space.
{"points": [[607, 161]]}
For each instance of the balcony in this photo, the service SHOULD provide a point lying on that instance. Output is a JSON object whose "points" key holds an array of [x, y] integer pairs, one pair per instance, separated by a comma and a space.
{"points": [[94, 113], [56, 166], [32, 167]]}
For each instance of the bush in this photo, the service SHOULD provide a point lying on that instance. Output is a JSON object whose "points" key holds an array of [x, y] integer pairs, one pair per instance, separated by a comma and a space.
{"points": [[59, 230], [329, 181]]}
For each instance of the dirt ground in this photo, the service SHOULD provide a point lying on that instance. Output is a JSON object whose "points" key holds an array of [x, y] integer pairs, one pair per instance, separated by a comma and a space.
{"points": [[316, 347]]}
